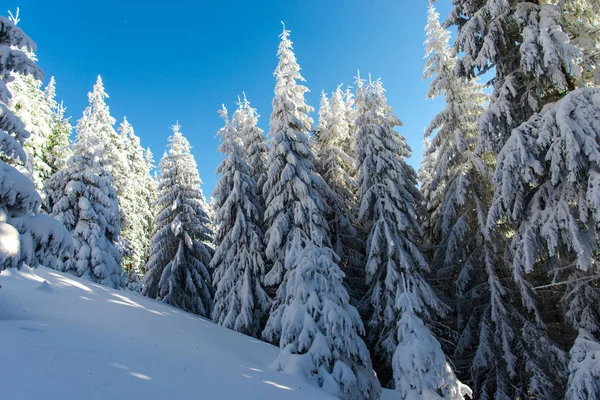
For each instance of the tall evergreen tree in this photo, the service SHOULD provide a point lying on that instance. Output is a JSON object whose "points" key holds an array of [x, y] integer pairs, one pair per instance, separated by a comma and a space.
{"points": [[102, 123], [287, 222], [398, 296], [241, 302], [324, 117], [136, 198], [547, 190], [525, 45], [317, 329], [151, 191], [349, 104], [25, 236], [338, 169], [458, 199], [178, 269], [580, 20], [245, 120], [534, 65], [28, 102], [58, 145], [82, 195]]}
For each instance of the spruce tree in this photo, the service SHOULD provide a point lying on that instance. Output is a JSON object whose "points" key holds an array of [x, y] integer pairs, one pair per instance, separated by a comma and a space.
{"points": [[534, 65], [349, 104], [324, 117], [398, 296], [547, 186], [293, 208], [178, 270], [26, 237], [580, 20], [28, 102], [115, 153], [525, 45], [241, 302], [82, 195], [338, 169], [151, 189], [458, 198], [316, 327], [245, 120], [58, 145], [136, 197]]}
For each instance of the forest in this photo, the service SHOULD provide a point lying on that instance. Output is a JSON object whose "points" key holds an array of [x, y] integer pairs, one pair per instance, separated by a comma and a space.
{"points": [[475, 276]]}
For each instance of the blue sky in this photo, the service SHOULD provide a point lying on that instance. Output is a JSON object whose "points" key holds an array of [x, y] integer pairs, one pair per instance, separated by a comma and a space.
{"points": [[180, 60]]}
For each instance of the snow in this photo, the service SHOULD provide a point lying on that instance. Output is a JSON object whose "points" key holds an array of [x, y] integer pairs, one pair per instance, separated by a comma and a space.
{"points": [[72, 339]]}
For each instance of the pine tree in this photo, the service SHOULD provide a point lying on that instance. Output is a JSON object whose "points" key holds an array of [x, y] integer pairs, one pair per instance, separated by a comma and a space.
{"points": [[58, 145], [102, 123], [317, 329], [136, 197], [547, 186], [349, 104], [431, 199], [290, 199], [535, 65], [526, 46], [240, 300], [580, 20], [324, 117], [25, 236], [245, 120], [178, 269], [151, 189], [320, 329], [28, 102], [398, 294], [338, 169], [458, 198], [82, 195]]}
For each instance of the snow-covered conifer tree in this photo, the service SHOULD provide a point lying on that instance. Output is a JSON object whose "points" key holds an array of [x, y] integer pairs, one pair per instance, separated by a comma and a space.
{"points": [[116, 163], [82, 195], [135, 196], [425, 177], [324, 116], [338, 169], [320, 329], [547, 190], [458, 197], [398, 296], [238, 263], [152, 193], [580, 20], [28, 102], [317, 329], [25, 236], [535, 65], [178, 269], [245, 120], [526, 46], [293, 208], [58, 145], [350, 144]]}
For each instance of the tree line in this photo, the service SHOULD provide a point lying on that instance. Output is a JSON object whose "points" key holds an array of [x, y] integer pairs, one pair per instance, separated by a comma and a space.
{"points": [[476, 276]]}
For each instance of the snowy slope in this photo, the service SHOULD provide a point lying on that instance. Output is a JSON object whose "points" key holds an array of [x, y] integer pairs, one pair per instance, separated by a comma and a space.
{"points": [[71, 339]]}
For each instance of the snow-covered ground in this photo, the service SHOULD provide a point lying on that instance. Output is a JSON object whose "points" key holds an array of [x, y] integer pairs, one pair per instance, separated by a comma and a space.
{"points": [[67, 338]]}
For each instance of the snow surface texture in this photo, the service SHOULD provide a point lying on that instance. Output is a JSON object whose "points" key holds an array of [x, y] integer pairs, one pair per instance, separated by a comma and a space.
{"points": [[84, 342]]}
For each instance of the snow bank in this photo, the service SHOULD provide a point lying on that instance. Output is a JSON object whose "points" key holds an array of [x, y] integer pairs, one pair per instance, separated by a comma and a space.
{"points": [[68, 338]]}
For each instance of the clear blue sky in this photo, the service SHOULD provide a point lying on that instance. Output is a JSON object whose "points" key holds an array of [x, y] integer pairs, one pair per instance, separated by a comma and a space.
{"points": [[180, 60]]}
